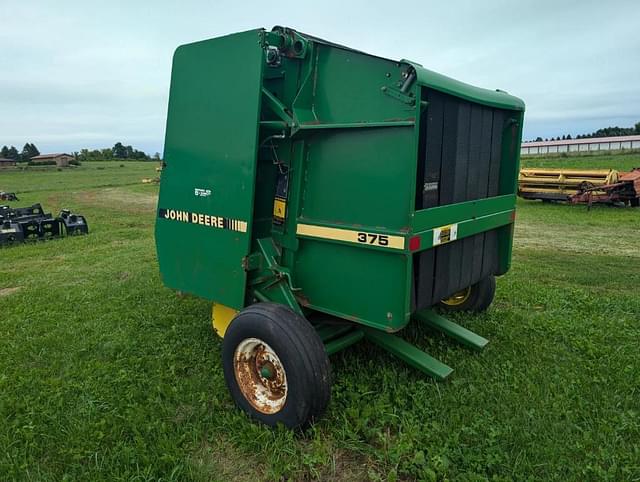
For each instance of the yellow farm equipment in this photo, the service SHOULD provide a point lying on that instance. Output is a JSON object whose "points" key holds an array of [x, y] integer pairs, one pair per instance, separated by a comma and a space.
{"points": [[579, 185]]}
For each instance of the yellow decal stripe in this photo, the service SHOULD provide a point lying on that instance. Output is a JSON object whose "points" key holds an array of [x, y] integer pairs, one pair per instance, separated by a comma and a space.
{"points": [[350, 236]]}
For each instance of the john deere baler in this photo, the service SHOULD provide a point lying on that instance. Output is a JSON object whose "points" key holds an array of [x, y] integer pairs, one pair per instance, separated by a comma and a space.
{"points": [[318, 195]]}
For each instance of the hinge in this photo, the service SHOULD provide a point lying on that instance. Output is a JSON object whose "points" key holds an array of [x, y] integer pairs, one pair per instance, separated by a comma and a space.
{"points": [[251, 261]]}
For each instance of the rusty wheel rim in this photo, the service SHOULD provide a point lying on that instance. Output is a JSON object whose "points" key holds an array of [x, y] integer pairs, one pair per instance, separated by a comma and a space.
{"points": [[458, 298], [260, 375]]}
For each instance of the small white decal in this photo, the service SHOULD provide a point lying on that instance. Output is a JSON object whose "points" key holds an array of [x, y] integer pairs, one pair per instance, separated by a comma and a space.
{"points": [[199, 192]]}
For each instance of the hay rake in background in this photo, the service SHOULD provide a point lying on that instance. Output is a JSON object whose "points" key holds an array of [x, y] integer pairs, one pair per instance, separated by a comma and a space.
{"points": [[580, 186]]}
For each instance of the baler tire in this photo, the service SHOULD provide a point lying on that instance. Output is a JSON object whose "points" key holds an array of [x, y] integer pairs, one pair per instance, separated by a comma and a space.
{"points": [[296, 346], [485, 293], [479, 298]]}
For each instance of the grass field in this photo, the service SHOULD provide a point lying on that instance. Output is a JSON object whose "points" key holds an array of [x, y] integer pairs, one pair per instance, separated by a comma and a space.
{"points": [[106, 375], [620, 161]]}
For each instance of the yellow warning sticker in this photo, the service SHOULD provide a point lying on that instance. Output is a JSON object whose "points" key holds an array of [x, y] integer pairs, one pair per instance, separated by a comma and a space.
{"points": [[445, 234], [279, 208]]}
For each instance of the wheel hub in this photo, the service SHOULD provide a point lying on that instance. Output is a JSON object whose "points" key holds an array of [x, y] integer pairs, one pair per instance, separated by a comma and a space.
{"points": [[260, 375], [458, 298]]}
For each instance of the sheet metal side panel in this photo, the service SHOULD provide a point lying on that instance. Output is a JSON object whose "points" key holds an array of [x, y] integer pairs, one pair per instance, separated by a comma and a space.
{"points": [[361, 179], [211, 143]]}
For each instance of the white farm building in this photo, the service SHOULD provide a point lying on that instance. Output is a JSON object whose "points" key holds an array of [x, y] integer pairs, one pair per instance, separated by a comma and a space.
{"points": [[581, 145]]}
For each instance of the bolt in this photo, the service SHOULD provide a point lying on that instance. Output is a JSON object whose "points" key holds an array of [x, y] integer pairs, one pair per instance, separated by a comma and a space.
{"points": [[265, 372]]}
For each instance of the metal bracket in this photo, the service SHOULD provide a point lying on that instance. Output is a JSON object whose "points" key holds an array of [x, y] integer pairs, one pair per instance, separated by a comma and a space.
{"points": [[455, 331], [398, 95], [409, 353], [278, 287], [278, 107], [270, 251]]}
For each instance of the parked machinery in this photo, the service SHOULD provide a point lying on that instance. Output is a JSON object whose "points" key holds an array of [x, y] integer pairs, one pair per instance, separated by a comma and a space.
{"points": [[33, 224], [8, 196], [580, 185], [319, 195]]}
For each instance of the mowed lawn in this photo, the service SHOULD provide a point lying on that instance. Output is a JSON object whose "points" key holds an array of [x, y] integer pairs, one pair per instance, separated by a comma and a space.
{"points": [[107, 375]]}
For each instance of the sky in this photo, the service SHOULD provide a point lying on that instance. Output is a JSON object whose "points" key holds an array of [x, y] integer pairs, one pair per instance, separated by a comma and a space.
{"points": [[87, 74]]}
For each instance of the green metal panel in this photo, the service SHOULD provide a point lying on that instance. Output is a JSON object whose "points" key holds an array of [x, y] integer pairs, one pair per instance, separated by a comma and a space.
{"points": [[354, 283], [347, 89], [492, 98], [454, 213], [357, 177], [211, 143], [469, 227]]}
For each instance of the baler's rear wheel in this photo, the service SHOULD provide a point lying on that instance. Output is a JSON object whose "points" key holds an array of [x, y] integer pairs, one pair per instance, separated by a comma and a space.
{"points": [[476, 297], [275, 366]]}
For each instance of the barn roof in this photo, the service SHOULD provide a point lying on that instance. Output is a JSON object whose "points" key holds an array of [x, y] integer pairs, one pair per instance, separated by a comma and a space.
{"points": [[50, 156]]}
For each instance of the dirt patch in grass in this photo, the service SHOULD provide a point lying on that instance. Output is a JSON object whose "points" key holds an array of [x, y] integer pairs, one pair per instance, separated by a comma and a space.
{"points": [[225, 462], [9, 291], [618, 241], [345, 467], [120, 199]]}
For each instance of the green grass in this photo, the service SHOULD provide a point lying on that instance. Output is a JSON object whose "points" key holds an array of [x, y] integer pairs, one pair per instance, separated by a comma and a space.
{"points": [[89, 175], [105, 374], [621, 162]]}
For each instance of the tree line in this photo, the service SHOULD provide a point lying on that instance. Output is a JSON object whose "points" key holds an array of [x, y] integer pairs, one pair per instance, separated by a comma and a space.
{"points": [[118, 151], [604, 132], [28, 151]]}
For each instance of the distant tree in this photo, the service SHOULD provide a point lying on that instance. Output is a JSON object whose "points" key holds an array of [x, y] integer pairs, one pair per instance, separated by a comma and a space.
{"points": [[568, 137], [119, 151], [637, 127], [4, 153], [25, 155], [564, 137], [28, 151], [156, 156], [13, 153], [538, 139], [128, 152]]}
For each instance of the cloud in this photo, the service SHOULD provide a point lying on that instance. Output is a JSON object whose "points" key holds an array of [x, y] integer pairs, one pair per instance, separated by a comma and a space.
{"points": [[77, 74]]}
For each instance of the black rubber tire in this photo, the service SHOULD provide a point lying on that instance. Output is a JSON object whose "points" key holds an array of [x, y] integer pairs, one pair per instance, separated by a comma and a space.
{"points": [[480, 298], [301, 353]]}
